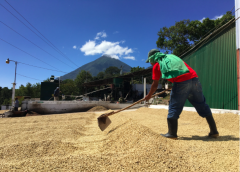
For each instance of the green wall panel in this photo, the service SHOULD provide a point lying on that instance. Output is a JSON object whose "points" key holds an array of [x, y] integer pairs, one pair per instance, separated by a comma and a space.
{"points": [[216, 66]]}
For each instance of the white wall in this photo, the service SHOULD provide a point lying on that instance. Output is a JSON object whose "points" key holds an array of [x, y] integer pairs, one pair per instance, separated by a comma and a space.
{"points": [[3, 107], [55, 107]]}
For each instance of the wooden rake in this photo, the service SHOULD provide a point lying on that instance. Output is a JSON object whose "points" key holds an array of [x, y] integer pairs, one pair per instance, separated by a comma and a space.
{"points": [[104, 121]]}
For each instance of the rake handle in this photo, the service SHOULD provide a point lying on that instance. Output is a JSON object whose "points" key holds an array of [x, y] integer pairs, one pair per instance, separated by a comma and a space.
{"points": [[135, 103]]}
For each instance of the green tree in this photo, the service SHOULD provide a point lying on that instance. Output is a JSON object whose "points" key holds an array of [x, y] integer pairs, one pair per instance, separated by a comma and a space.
{"points": [[100, 75], [135, 69], [7, 102], [5, 95], [20, 91], [178, 38], [46, 80], [32, 90], [28, 90], [81, 78], [68, 87], [36, 90], [1, 99], [137, 79], [111, 72]]}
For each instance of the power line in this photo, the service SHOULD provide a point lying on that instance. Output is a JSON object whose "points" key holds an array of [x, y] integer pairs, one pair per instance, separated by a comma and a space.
{"points": [[32, 42], [28, 77], [26, 25], [26, 53], [59, 51], [41, 67], [232, 7], [33, 26], [236, 11]]}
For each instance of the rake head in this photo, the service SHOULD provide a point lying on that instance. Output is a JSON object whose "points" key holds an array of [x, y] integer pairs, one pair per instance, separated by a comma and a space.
{"points": [[104, 121]]}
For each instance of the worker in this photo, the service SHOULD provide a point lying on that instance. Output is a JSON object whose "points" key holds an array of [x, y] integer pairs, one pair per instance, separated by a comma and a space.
{"points": [[186, 85], [56, 94], [16, 104], [63, 97]]}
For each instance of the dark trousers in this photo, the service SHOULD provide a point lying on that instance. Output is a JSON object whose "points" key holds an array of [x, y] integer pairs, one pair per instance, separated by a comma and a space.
{"points": [[191, 90]]}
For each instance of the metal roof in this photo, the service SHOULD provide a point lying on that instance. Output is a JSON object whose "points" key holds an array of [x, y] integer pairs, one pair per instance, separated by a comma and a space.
{"points": [[110, 80]]}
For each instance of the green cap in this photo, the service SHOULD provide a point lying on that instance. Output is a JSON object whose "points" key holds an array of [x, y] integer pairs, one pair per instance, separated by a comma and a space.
{"points": [[150, 53]]}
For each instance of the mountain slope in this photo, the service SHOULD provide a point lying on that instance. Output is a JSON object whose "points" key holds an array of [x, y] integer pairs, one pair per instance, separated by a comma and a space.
{"points": [[97, 66]]}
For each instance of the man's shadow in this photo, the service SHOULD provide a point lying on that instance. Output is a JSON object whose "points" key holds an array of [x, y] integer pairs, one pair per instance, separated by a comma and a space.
{"points": [[206, 138]]}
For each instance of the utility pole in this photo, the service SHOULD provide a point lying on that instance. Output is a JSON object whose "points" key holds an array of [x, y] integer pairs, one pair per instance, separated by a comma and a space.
{"points": [[14, 83], [121, 71]]}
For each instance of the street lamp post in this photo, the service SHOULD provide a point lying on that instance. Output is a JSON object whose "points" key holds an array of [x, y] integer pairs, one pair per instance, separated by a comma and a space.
{"points": [[14, 83]]}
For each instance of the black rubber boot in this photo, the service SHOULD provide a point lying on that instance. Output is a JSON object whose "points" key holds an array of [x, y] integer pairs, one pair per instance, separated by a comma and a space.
{"points": [[212, 125], [172, 129]]}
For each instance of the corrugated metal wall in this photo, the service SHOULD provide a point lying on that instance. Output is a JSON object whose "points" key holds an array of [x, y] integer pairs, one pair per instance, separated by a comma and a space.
{"points": [[216, 66]]}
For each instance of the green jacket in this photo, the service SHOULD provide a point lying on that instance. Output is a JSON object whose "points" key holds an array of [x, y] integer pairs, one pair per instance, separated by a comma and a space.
{"points": [[171, 66]]}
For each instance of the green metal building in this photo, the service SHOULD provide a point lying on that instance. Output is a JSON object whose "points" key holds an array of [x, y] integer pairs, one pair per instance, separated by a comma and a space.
{"points": [[47, 90], [214, 60]]}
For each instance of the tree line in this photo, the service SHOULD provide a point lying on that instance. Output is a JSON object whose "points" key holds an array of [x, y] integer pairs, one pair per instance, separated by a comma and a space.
{"points": [[32, 90], [68, 86]]}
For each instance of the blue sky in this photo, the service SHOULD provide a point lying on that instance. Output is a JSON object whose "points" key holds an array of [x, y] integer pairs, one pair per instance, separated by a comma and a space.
{"points": [[81, 31]]}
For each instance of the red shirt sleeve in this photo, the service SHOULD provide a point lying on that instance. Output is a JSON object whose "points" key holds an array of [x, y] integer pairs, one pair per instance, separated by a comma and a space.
{"points": [[156, 73]]}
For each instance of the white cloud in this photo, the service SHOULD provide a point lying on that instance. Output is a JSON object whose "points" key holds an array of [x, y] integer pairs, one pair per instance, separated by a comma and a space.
{"points": [[114, 57], [214, 18], [202, 19], [101, 34], [143, 59], [74, 47], [105, 47], [129, 57], [217, 17], [115, 32]]}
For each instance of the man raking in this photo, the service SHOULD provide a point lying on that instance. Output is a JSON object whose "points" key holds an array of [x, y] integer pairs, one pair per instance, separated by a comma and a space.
{"points": [[185, 86]]}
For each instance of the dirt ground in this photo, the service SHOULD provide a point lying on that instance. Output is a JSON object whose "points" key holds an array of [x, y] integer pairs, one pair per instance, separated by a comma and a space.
{"points": [[30, 113], [3, 111], [73, 142], [97, 108]]}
